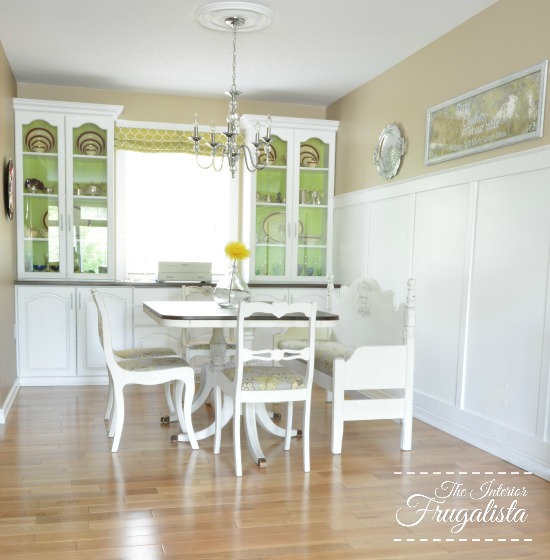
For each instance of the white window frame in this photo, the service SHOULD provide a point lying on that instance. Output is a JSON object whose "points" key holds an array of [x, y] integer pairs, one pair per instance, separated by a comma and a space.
{"points": [[120, 192]]}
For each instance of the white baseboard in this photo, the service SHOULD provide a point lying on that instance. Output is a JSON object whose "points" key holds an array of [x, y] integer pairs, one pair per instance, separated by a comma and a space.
{"points": [[6, 405], [63, 381], [522, 450]]}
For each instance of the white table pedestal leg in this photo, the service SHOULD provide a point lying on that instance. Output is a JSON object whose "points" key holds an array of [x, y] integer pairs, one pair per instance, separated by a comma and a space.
{"points": [[218, 346], [227, 414], [252, 433]]}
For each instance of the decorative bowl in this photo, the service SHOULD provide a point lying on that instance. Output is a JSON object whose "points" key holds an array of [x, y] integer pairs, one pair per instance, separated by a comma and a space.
{"points": [[39, 267]]}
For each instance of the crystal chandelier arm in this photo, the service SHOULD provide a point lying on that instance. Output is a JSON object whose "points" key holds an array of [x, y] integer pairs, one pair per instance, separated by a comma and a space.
{"points": [[252, 161]]}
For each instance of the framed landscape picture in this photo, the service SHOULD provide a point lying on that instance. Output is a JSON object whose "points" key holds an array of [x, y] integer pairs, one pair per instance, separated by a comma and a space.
{"points": [[504, 112]]}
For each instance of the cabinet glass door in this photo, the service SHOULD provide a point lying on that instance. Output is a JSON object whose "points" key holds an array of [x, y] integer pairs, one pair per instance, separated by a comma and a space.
{"points": [[41, 212], [313, 208], [270, 250], [87, 187]]}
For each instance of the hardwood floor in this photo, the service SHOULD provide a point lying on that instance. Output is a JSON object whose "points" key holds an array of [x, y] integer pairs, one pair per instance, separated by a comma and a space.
{"points": [[64, 495]]}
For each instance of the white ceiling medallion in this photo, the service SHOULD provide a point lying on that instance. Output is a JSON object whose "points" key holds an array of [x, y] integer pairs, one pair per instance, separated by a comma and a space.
{"points": [[215, 15]]}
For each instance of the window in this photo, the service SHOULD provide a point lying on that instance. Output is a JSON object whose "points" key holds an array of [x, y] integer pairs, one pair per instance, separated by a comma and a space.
{"points": [[169, 209]]}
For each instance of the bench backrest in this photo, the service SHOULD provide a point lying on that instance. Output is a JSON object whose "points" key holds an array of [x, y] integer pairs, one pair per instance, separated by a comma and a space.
{"points": [[369, 316]]}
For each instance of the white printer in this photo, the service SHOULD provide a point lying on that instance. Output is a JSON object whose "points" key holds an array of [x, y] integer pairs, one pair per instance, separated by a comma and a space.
{"points": [[185, 272]]}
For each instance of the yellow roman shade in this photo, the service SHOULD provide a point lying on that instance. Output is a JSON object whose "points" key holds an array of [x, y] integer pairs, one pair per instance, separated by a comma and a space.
{"points": [[150, 140]]}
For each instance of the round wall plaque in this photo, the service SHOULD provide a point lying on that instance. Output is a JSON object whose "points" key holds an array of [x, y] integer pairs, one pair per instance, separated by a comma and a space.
{"points": [[387, 155], [9, 190]]}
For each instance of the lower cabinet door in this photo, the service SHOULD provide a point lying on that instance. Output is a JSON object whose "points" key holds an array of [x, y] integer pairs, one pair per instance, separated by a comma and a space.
{"points": [[46, 335]]}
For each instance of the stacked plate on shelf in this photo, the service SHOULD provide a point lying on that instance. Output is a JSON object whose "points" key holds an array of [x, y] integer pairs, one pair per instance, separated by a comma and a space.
{"points": [[39, 140], [90, 144], [309, 156]]}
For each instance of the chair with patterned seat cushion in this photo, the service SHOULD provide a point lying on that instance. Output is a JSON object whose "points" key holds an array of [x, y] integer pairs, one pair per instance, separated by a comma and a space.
{"points": [[251, 382], [133, 354], [144, 371]]}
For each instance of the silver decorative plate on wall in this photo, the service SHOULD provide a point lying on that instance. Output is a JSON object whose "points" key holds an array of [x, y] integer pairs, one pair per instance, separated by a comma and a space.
{"points": [[387, 155]]}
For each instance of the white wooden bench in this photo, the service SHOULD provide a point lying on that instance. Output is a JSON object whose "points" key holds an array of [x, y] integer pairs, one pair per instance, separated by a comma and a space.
{"points": [[368, 362]]}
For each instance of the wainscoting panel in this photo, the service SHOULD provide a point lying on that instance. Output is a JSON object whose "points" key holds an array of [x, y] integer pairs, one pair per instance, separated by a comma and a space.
{"points": [[477, 240], [440, 250], [349, 258], [508, 299], [389, 242]]}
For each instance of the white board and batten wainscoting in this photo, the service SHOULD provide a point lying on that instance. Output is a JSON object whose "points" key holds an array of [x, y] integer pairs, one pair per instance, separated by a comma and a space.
{"points": [[477, 240]]}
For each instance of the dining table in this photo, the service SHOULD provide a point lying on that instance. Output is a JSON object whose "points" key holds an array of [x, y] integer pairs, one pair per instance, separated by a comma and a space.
{"points": [[208, 314]]}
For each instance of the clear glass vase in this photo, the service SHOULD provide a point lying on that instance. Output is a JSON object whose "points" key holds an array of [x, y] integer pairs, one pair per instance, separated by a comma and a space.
{"points": [[231, 289]]}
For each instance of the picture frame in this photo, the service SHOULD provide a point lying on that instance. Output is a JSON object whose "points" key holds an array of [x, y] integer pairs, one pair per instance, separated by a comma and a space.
{"points": [[503, 112]]}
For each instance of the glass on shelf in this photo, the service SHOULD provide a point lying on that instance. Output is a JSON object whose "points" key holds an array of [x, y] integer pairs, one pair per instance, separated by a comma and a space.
{"points": [[311, 262]]}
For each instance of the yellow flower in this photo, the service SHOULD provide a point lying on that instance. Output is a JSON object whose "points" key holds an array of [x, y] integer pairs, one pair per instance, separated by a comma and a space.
{"points": [[237, 251]]}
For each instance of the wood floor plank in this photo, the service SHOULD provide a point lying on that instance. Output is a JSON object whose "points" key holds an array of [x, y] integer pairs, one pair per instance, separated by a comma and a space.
{"points": [[64, 495]]}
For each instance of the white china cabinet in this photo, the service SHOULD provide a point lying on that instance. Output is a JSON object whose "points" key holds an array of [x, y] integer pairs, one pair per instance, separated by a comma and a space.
{"points": [[57, 334], [288, 206], [64, 168]]}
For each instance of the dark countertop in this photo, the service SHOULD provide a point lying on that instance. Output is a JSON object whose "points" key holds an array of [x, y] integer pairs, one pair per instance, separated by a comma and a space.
{"points": [[121, 284]]}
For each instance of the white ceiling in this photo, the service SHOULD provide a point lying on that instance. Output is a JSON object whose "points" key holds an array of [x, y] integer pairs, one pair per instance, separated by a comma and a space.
{"points": [[314, 52]]}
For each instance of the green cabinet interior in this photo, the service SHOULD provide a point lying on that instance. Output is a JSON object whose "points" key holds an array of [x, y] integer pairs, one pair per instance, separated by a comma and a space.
{"points": [[41, 211], [271, 223]]}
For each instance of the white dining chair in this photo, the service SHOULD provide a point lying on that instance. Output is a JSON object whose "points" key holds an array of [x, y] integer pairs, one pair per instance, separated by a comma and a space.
{"points": [[249, 382], [144, 371], [134, 354]]}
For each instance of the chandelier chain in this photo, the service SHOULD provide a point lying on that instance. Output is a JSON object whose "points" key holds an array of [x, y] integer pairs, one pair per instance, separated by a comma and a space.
{"points": [[256, 156], [234, 76]]}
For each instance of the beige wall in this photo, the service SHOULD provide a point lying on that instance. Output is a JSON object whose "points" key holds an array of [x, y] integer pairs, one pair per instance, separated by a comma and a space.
{"points": [[507, 37], [166, 108], [8, 370]]}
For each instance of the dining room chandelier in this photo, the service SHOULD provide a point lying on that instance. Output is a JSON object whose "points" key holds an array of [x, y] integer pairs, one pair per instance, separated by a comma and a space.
{"points": [[258, 154]]}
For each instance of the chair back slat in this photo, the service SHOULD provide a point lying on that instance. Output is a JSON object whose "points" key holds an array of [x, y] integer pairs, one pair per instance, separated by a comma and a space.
{"points": [[278, 309], [104, 327]]}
